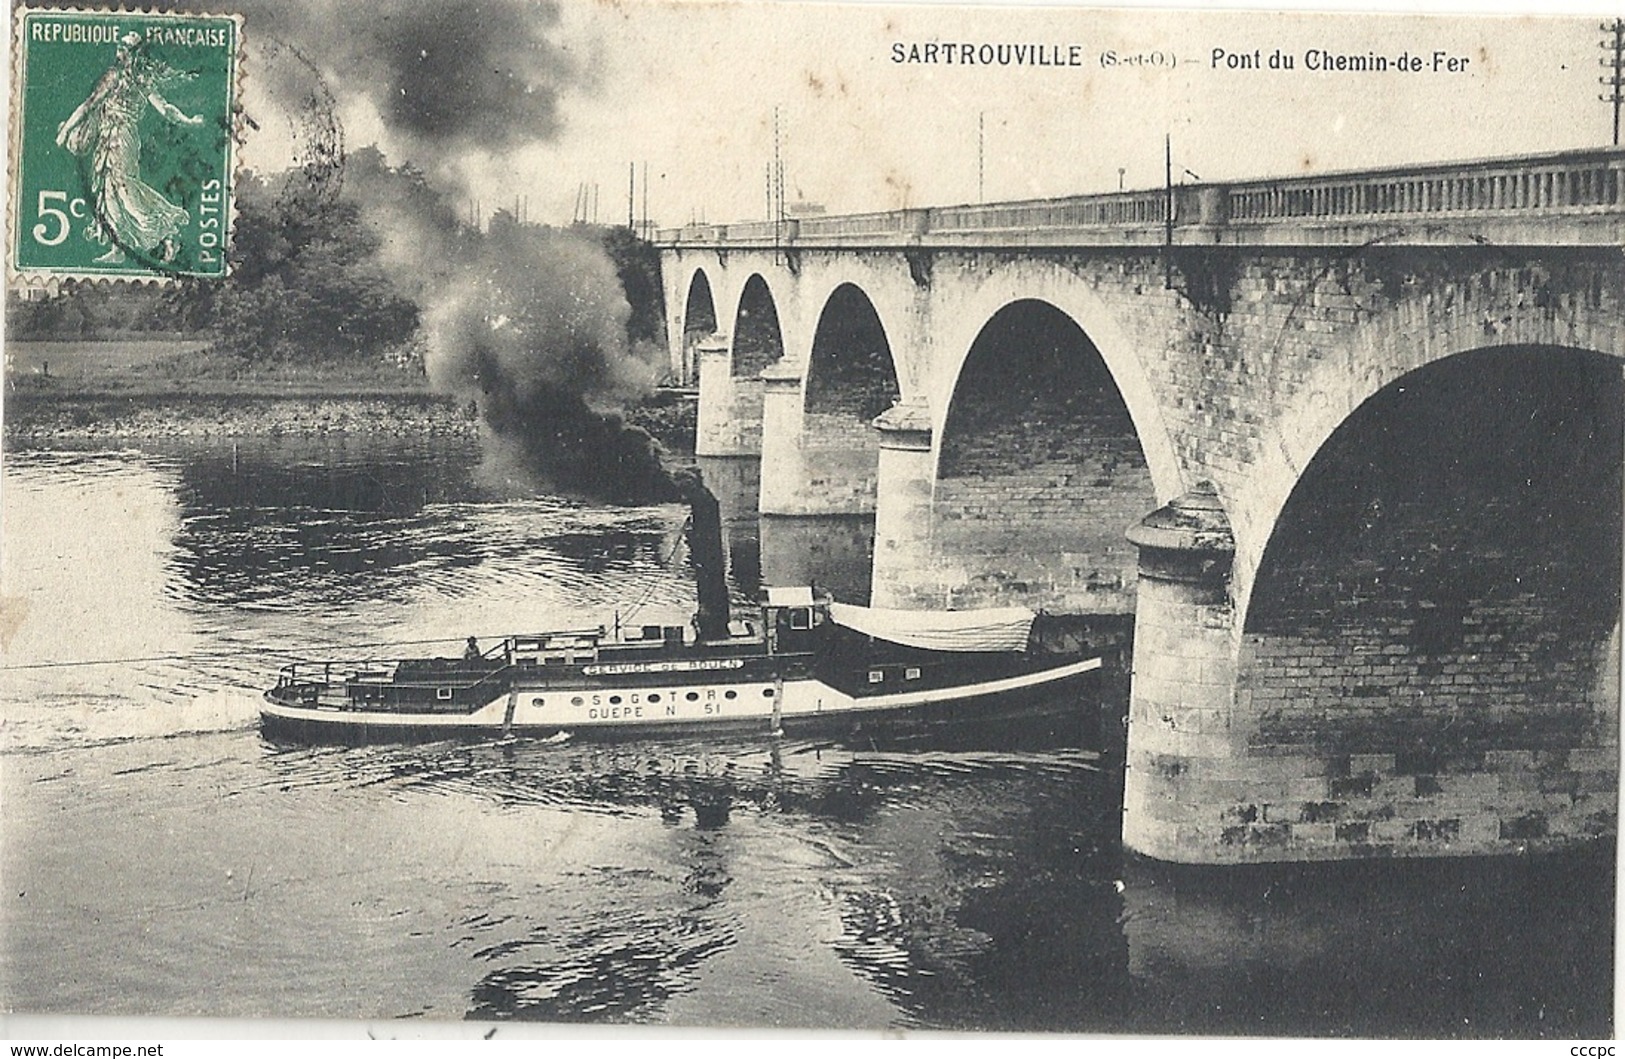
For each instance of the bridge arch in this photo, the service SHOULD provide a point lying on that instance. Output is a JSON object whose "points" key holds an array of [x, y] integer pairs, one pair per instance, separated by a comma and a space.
{"points": [[820, 451], [1443, 582], [1428, 327], [1039, 470], [757, 338], [730, 382], [699, 307], [1045, 281], [851, 373], [699, 322]]}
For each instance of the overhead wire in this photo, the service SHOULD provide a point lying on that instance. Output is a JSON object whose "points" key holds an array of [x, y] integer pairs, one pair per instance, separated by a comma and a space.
{"points": [[649, 592], [191, 655]]}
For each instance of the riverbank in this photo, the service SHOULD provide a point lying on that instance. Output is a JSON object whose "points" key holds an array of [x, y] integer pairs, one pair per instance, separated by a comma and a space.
{"points": [[32, 419], [79, 391]]}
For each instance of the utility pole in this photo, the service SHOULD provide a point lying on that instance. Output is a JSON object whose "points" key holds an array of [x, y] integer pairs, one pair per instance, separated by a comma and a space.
{"points": [[1168, 211], [981, 155], [778, 171], [1613, 81], [631, 195]]}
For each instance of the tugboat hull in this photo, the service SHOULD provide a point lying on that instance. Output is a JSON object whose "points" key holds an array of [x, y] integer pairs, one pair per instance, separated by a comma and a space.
{"points": [[803, 705]]}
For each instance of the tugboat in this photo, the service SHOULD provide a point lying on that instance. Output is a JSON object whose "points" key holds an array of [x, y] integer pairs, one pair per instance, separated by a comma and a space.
{"points": [[804, 664]]}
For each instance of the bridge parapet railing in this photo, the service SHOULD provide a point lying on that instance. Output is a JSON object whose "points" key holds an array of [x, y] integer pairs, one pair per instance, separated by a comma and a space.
{"points": [[1123, 209], [763, 233], [889, 223], [1566, 184], [699, 234]]}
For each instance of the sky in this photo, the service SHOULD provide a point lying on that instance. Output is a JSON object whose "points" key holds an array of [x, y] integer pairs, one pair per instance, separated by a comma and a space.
{"points": [[691, 91]]}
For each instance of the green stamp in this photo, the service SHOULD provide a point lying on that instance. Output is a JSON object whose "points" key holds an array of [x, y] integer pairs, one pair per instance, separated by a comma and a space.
{"points": [[122, 143]]}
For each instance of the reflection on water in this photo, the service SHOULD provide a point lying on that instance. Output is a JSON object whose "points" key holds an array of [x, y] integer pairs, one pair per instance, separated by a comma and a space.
{"points": [[834, 552], [212, 565], [1491, 947], [974, 883], [736, 484]]}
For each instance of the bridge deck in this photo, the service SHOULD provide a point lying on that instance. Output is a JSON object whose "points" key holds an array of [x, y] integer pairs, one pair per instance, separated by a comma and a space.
{"points": [[1571, 198]]}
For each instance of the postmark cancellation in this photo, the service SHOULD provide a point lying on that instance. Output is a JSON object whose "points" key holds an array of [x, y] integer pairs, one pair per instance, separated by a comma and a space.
{"points": [[123, 144]]}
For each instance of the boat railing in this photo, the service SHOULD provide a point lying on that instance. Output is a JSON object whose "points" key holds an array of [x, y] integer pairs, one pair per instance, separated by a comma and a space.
{"points": [[291, 674], [488, 676], [316, 674], [569, 646]]}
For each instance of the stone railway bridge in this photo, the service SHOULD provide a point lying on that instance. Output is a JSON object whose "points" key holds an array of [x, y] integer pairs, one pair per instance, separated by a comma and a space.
{"points": [[1347, 448]]}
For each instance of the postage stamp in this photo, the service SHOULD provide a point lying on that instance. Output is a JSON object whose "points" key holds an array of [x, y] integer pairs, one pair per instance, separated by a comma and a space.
{"points": [[122, 144]]}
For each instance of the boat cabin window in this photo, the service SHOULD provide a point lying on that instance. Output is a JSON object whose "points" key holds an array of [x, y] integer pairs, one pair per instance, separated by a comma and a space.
{"points": [[742, 630], [876, 676], [911, 673], [442, 694]]}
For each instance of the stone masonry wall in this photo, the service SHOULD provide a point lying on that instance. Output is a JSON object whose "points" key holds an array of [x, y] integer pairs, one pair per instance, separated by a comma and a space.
{"points": [[1040, 475], [730, 414], [841, 456], [1435, 623]]}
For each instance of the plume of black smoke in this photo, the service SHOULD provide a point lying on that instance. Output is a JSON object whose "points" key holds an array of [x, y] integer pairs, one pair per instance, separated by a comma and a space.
{"points": [[528, 323], [446, 76]]}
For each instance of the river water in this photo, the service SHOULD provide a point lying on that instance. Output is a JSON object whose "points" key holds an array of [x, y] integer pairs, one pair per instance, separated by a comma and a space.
{"points": [[161, 858]]}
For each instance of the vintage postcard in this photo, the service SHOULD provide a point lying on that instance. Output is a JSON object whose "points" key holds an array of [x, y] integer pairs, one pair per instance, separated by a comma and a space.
{"points": [[810, 517]]}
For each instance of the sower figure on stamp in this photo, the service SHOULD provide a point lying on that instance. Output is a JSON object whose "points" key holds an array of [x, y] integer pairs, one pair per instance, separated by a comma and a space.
{"points": [[106, 130]]}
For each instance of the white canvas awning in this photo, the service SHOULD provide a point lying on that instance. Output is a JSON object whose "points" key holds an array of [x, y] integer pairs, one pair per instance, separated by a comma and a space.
{"points": [[1001, 629]]}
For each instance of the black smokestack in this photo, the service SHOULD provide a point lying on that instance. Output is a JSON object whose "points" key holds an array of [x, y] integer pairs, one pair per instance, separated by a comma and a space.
{"points": [[707, 556]]}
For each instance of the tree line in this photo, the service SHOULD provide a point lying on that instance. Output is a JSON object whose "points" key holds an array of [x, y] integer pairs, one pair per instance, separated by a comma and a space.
{"points": [[312, 279]]}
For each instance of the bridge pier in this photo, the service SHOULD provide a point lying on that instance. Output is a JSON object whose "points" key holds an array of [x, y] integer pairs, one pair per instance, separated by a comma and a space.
{"points": [[1182, 753], [812, 464], [902, 506], [730, 413], [784, 467]]}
